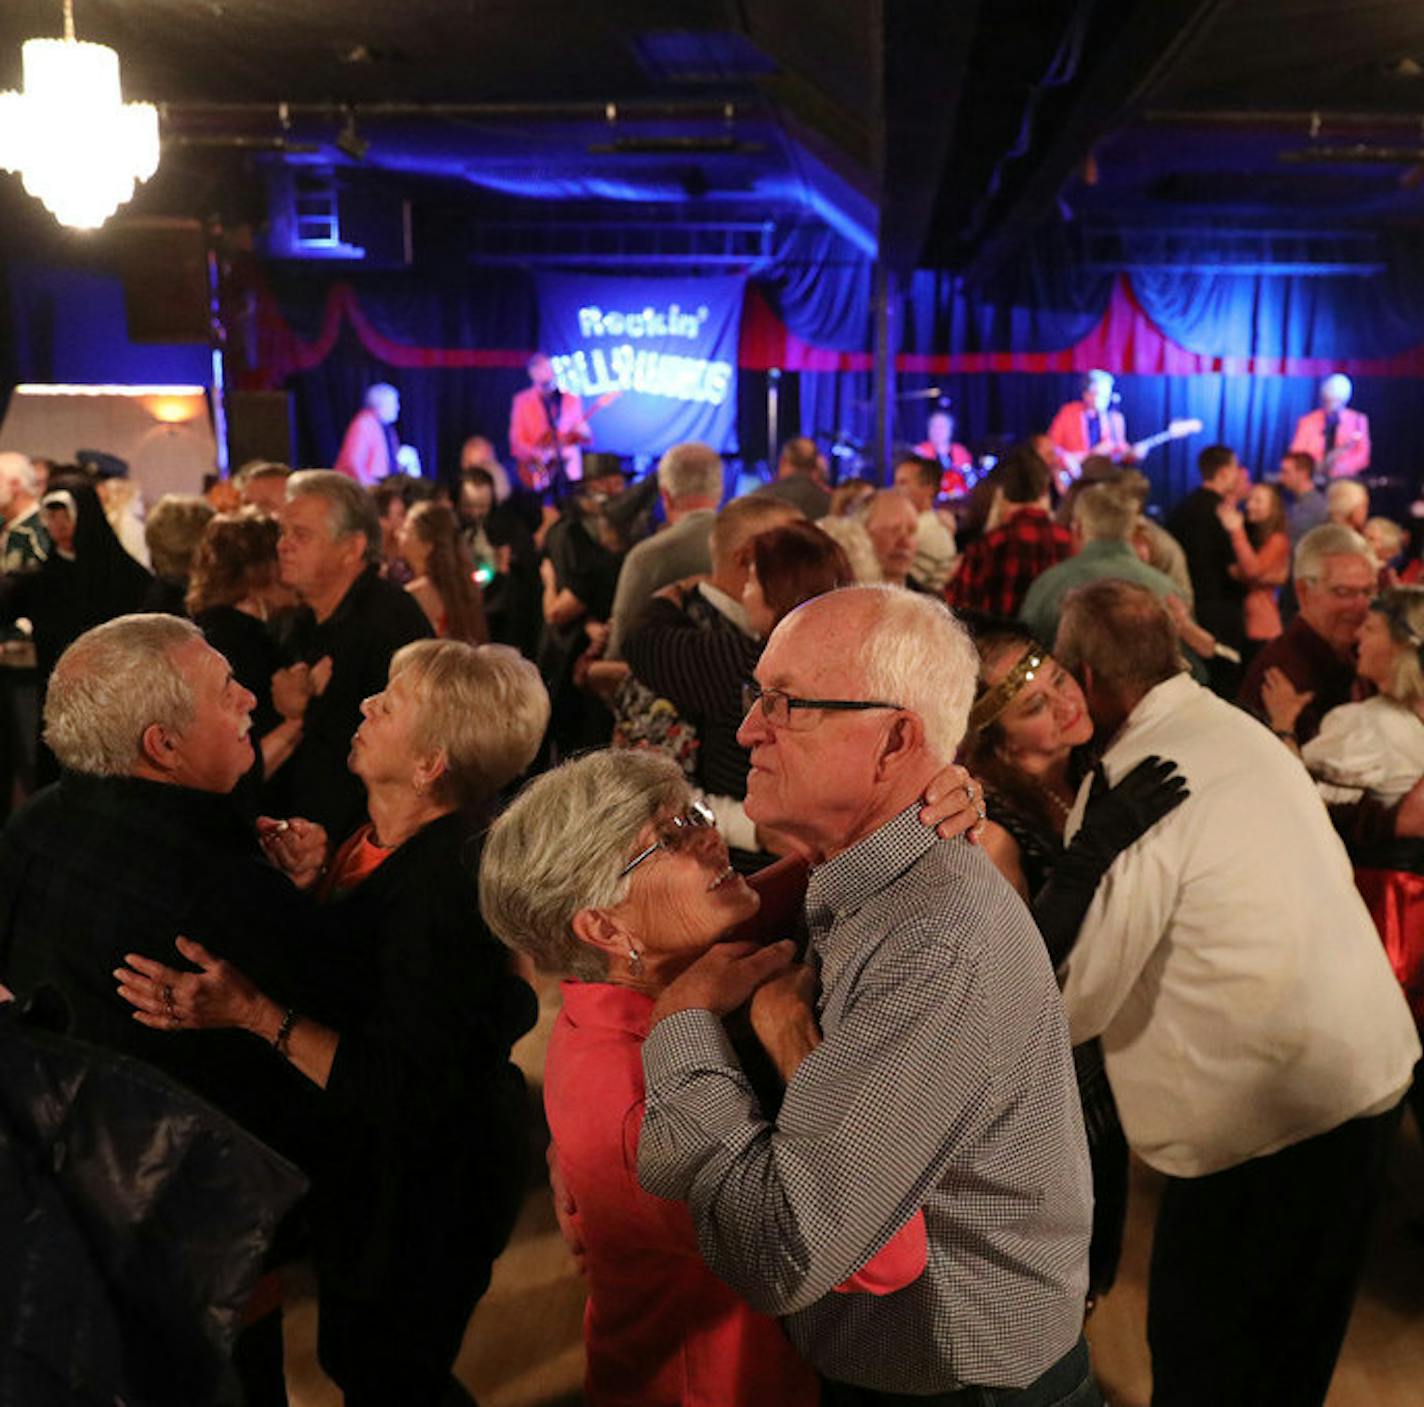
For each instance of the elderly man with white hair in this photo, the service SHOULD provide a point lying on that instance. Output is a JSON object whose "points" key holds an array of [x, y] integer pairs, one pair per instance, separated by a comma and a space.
{"points": [[350, 618], [1334, 436], [1335, 577], [1347, 501], [139, 841], [690, 483], [371, 449], [942, 1083], [893, 523]]}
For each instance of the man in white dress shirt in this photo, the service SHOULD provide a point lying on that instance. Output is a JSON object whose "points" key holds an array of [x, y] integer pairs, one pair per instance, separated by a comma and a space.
{"points": [[1256, 1040]]}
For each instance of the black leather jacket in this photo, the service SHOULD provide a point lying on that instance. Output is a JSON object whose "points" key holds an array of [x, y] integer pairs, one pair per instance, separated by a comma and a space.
{"points": [[134, 1220]]}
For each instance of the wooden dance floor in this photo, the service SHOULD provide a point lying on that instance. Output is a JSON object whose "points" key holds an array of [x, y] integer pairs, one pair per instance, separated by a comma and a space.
{"points": [[524, 1344]]}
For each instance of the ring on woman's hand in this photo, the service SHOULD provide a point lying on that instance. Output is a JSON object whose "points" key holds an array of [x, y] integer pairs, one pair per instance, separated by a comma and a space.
{"points": [[168, 998], [983, 814], [969, 792]]}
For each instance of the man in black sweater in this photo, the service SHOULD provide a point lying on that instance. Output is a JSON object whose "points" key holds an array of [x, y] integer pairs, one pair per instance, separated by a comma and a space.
{"points": [[1196, 524], [140, 842], [329, 548]]}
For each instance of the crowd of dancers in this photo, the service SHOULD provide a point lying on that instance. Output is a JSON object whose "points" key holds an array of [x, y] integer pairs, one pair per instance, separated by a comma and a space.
{"points": [[909, 854]]}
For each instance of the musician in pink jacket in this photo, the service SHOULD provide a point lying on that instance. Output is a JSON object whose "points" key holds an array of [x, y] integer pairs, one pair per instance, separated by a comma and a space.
{"points": [[1334, 436], [370, 447]]}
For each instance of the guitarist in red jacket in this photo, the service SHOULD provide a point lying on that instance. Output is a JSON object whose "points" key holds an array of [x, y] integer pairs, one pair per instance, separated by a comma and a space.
{"points": [[1090, 425], [547, 431]]}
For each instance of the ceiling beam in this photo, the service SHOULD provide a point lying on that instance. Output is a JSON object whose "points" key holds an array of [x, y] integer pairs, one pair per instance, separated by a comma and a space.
{"points": [[1153, 40], [924, 55]]}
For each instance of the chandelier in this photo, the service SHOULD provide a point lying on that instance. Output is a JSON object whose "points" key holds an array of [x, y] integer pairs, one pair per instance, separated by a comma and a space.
{"points": [[77, 145]]}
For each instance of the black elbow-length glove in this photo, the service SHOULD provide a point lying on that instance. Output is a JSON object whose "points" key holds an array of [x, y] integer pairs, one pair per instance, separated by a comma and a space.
{"points": [[1114, 818]]}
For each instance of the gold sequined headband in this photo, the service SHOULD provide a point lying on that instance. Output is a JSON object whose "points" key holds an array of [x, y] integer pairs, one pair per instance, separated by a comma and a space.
{"points": [[994, 700], [1393, 612]]}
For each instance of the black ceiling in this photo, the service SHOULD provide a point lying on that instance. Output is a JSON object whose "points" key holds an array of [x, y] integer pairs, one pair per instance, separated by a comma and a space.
{"points": [[957, 127]]}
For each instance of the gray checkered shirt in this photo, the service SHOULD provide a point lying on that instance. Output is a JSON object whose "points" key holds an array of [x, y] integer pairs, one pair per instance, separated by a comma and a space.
{"points": [[944, 1082]]}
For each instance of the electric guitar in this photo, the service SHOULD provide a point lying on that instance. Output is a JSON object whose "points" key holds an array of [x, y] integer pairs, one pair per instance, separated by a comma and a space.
{"points": [[1073, 463], [557, 448]]}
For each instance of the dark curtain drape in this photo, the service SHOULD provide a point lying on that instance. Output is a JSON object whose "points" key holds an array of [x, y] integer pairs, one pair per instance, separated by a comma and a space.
{"points": [[836, 403], [1048, 302], [426, 329], [441, 406], [820, 286], [1222, 313], [1042, 301]]}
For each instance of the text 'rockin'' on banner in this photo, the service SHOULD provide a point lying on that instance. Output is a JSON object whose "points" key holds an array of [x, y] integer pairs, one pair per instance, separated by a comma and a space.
{"points": [[661, 351]]}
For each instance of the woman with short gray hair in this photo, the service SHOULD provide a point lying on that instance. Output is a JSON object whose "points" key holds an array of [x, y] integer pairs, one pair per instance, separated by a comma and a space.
{"points": [[607, 871], [407, 1028]]}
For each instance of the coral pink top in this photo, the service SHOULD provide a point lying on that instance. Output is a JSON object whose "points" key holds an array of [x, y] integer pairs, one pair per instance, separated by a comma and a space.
{"points": [[660, 1329], [1264, 570]]}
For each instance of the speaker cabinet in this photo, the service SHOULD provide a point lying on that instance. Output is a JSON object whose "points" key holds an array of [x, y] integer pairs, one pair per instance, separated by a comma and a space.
{"points": [[259, 426], [164, 267]]}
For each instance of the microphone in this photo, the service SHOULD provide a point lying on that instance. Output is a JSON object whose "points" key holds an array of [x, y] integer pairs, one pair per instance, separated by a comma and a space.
{"points": [[930, 393]]}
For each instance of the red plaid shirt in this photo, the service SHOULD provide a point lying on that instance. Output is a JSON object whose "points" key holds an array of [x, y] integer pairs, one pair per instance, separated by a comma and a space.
{"points": [[996, 572]]}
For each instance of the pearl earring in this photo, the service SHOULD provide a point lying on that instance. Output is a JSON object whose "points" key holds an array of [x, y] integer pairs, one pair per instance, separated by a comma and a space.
{"points": [[635, 962]]}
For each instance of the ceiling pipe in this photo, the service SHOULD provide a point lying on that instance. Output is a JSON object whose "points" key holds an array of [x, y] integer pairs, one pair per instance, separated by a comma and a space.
{"points": [[1314, 121], [650, 110], [1359, 152]]}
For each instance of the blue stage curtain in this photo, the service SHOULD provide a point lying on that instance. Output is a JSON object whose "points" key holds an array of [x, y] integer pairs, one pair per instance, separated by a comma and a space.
{"points": [[1256, 415], [1221, 313], [1042, 301], [821, 288], [836, 403]]}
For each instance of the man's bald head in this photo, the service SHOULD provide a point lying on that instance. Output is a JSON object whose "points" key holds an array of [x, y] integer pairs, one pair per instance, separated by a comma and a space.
{"points": [[826, 777], [894, 645]]}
